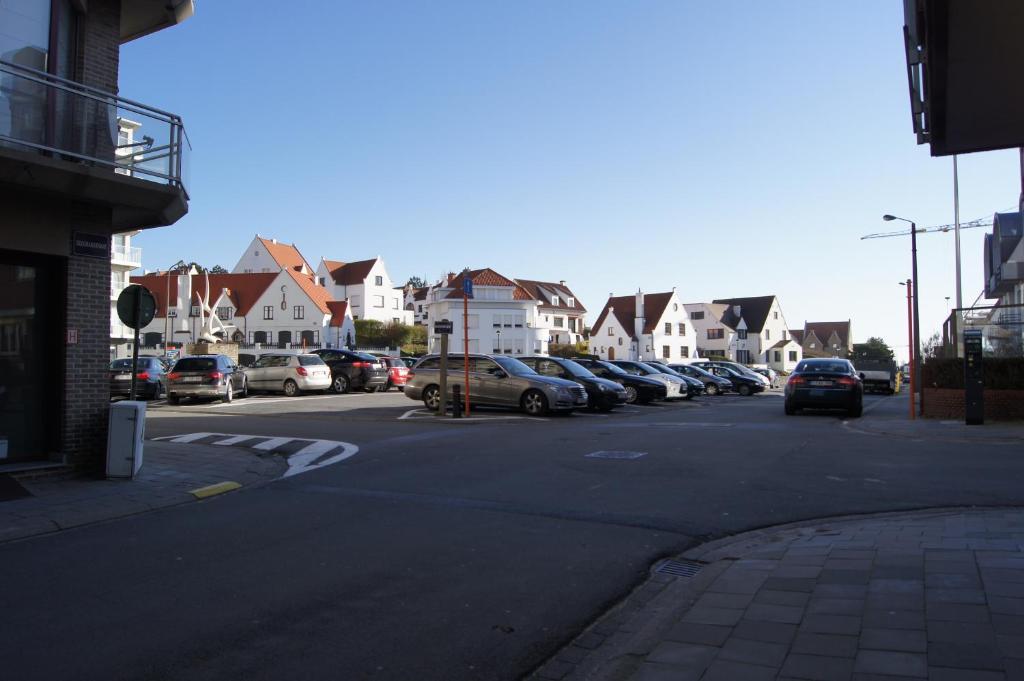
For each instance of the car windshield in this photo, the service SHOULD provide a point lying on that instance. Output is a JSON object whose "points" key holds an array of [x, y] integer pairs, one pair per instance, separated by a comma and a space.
{"points": [[310, 360], [827, 367], [696, 370], [614, 368], [577, 370], [196, 364], [514, 366], [660, 368], [143, 363], [643, 368]]}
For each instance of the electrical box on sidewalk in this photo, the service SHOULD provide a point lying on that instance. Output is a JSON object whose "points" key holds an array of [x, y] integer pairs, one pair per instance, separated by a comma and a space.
{"points": [[125, 432]]}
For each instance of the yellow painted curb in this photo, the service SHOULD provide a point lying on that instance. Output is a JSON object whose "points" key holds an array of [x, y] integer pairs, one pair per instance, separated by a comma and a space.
{"points": [[211, 490]]}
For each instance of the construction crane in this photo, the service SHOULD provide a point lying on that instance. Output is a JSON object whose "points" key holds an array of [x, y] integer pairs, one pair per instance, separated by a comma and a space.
{"points": [[980, 222]]}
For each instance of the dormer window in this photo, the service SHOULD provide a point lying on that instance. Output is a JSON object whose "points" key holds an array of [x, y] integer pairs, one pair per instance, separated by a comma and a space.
{"points": [[378, 281], [571, 302], [554, 300]]}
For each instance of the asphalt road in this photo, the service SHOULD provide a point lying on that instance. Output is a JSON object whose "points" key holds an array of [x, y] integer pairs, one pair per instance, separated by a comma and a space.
{"points": [[444, 550]]}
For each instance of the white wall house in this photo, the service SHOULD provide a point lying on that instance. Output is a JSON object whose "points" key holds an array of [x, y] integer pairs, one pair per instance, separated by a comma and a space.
{"points": [[713, 337], [368, 288], [653, 326], [560, 311], [123, 259], [759, 325], [416, 303], [502, 316], [270, 256]]}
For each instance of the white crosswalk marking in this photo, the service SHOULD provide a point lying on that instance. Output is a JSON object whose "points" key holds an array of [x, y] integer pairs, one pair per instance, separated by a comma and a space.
{"points": [[307, 458], [273, 443], [235, 439], [191, 437]]}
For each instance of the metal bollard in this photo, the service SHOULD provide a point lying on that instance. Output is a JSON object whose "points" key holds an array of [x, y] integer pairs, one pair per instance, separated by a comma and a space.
{"points": [[457, 401]]}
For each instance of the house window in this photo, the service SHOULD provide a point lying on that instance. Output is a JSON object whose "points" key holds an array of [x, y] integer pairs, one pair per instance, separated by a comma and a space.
{"points": [[379, 281], [741, 334], [666, 351], [554, 300], [298, 312], [743, 356], [194, 311], [356, 301], [620, 341], [224, 313], [419, 308], [394, 303], [268, 311], [559, 322], [668, 328], [675, 307], [778, 355], [378, 301], [682, 329], [811, 346], [784, 334], [571, 302], [507, 320], [775, 315], [256, 253], [572, 324], [519, 320], [767, 334], [696, 315], [684, 351], [611, 331], [716, 334], [792, 355], [396, 320], [322, 280]]}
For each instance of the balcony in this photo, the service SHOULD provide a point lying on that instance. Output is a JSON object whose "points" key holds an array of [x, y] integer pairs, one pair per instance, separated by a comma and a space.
{"points": [[61, 137], [126, 256]]}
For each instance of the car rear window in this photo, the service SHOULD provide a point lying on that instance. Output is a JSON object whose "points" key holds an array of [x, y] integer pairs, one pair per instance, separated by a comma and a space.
{"points": [[827, 367], [310, 360], [196, 364], [364, 357]]}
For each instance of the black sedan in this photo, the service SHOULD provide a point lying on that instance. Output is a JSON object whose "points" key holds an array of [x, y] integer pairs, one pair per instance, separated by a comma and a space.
{"points": [[149, 379], [350, 369], [744, 384], [602, 394], [693, 386], [825, 384], [713, 385], [638, 388]]}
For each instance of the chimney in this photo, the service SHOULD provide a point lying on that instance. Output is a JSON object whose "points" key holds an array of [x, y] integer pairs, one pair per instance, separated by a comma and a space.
{"points": [[736, 310], [638, 321], [273, 241], [561, 282]]}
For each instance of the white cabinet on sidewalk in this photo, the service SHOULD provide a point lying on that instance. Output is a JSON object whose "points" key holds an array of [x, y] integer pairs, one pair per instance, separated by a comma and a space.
{"points": [[125, 432]]}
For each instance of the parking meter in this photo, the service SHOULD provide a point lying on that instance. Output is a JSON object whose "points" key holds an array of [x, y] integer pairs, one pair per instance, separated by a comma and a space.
{"points": [[974, 383]]}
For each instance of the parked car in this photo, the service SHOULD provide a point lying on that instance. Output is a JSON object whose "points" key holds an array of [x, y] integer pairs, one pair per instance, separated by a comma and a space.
{"points": [[288, 373], [774, 380], [351, 369], [639, 389], [713, 385], [149, 378], [674, 386], [825, 384], [206, 376], [602, 394], [247, 359], [398, 372], [744, 384], [410, 361], [735, 366], [495, 381], [692, 388]]}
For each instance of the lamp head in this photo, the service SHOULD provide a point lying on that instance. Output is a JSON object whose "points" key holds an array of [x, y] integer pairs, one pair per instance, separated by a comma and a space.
{"points": [[889, 218]]}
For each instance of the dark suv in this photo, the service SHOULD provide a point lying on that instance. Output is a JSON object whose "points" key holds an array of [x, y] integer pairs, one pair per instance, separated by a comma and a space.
{"points": [[206, 376], [350, 369], [602, 394], [639, 389], [150, 378]]}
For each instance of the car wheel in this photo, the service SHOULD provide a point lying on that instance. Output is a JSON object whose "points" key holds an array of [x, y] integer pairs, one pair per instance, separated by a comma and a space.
{"points": [[712, 389], [387, 387], [744, 390], [856, 411], [340, 384], [534, 403], [245, 388], [173, 399], [790, 409], [291, 388], [229, 393], [432, 397], [631, 394]]}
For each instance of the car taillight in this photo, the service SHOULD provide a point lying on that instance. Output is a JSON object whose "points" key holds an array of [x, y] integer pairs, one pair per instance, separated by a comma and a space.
{"points": [[142, 375], [301, 371], [216, 375], [173, 376], [362, 365], [402, 371], [797, 380], [846, 380]]}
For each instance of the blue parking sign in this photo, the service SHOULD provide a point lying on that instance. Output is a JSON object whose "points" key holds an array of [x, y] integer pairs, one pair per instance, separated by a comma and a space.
{"points": [[467, 286]]}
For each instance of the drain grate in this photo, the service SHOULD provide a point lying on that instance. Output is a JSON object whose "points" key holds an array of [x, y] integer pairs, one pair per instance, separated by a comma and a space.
{"points": [[615, 454], [679, 568]]}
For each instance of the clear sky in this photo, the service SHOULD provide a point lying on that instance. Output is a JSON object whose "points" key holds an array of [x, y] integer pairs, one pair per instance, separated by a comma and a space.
{"points": [[728, 148]]}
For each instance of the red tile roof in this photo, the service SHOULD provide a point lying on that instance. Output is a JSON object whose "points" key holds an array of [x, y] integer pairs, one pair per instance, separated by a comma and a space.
{"points": [[157, 283], [350, 273], [337, 308], [318, 294], [244, 289], [625, 311], [488, 277], [285, 255]]}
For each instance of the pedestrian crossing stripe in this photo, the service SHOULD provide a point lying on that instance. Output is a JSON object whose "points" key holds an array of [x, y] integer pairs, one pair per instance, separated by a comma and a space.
{"points": [[302, 454]]}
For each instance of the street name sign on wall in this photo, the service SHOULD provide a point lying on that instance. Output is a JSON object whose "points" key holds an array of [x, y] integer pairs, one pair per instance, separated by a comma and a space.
{"points": [[90, 245], [443, 327]]}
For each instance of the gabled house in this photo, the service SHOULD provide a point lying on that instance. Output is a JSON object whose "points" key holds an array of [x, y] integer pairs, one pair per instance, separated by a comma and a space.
{"points": [[827, 339], [714, 338], [270, 255], [759, 325], [560, 311], [643, 327], [416, 302], [367, 287], [502, 315]]}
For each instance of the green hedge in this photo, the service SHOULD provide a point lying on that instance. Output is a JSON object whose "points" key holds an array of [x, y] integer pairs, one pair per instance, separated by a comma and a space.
{"points": [[1000, 373]]}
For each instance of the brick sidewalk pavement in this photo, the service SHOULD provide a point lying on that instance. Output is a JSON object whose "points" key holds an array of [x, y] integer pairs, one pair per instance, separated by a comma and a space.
{"points": [[926, 595], [169, 472]]}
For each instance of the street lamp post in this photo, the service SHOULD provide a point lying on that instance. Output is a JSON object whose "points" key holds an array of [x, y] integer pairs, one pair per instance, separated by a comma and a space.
{"points": [[915, 375], [910, 343]]}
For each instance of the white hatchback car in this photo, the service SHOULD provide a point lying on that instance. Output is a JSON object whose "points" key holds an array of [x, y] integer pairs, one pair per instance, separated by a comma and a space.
{"points": [[288, 373]]}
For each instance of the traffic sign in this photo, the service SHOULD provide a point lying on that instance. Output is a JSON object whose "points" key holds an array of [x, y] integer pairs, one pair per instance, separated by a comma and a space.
{"points": [[443, 327], [467, 287], [136, 306]]}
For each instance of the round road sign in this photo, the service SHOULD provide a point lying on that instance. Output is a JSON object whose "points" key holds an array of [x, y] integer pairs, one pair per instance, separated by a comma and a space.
{"points": [[136, 306]]}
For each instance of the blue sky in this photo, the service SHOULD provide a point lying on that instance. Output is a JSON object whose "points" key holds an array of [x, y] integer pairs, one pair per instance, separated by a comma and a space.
{"points": [[725, 148]]}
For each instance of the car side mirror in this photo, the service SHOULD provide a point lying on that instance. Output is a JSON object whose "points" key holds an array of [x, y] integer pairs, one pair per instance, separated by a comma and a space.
{"points": [[862, 375]]}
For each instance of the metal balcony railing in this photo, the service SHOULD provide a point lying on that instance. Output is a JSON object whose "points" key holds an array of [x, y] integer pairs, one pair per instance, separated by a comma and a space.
{"points": [[78, 123]]}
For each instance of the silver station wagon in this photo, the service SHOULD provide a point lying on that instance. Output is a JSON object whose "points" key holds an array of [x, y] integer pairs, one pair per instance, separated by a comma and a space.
{"points": [[494, 381]]}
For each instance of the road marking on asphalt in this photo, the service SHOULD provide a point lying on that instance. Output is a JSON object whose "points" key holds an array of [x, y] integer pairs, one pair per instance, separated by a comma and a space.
{"points": [[307, 458], [259, 401], [191, 437], [233, 440], [615, 454], [426, 414], [212, 490], [273, 443]]}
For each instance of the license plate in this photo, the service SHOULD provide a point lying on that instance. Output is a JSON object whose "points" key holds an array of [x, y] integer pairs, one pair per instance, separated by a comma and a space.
{"points": [[192, 379], [123, 377], [821, 383]]}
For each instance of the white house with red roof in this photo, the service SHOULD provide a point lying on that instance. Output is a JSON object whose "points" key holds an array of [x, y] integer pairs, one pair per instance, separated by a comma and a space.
{"points": [[644, 327], [265, 255], [367, 287], [503, 317], [560, 311]]}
